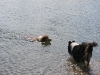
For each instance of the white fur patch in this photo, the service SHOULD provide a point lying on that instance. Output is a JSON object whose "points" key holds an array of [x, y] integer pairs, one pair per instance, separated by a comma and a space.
{"points": [[40, 37], [73, 44]]}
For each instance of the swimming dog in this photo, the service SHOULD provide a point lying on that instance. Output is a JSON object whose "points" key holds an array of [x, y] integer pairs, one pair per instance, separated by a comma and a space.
{"points": [[81, 52], [42, 39]]}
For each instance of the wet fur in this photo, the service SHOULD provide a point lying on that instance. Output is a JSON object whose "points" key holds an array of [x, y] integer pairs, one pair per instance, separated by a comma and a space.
{"points": [[44, 38], [82, 52]]}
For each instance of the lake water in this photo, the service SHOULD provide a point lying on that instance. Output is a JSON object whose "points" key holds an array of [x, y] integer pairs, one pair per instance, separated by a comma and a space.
{"points": [[62, 21]]}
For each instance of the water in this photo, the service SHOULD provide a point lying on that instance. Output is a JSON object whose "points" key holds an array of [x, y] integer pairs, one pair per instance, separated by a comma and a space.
{"points": [[62, 20]]}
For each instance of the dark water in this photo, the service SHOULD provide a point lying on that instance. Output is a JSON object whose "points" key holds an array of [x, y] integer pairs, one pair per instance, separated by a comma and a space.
{"points": [[62, 20]]}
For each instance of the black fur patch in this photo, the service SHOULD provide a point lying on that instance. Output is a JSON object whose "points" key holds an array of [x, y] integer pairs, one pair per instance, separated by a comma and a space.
{"points": [[81, 52]]}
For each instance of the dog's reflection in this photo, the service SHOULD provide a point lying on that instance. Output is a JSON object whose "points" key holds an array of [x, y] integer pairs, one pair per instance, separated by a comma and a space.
{"points": [[78, 68], [46, 43]]}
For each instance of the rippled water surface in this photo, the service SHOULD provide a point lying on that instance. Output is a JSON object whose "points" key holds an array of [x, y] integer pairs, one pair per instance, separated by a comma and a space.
{"points": [[62, 20]]}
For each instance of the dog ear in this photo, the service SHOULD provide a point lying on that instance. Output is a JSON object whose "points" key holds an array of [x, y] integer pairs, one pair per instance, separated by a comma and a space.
{"points": [[73, 41], [69, 42]]}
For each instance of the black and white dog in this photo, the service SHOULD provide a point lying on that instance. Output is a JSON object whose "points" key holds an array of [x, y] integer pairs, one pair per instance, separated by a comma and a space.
{"points": [[81, 52]]}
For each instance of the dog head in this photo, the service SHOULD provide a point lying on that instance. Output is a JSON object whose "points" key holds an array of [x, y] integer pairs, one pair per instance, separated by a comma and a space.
{"points": [[71, 45], [43, 38]]}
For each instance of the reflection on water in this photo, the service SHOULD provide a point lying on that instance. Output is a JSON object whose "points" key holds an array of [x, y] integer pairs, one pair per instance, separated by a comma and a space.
{"points": [[46, 43], [63, 21], [78, 68]]}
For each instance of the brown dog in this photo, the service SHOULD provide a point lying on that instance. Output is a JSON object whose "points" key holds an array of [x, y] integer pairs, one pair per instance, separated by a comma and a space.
{"points": [[42, 39]]}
